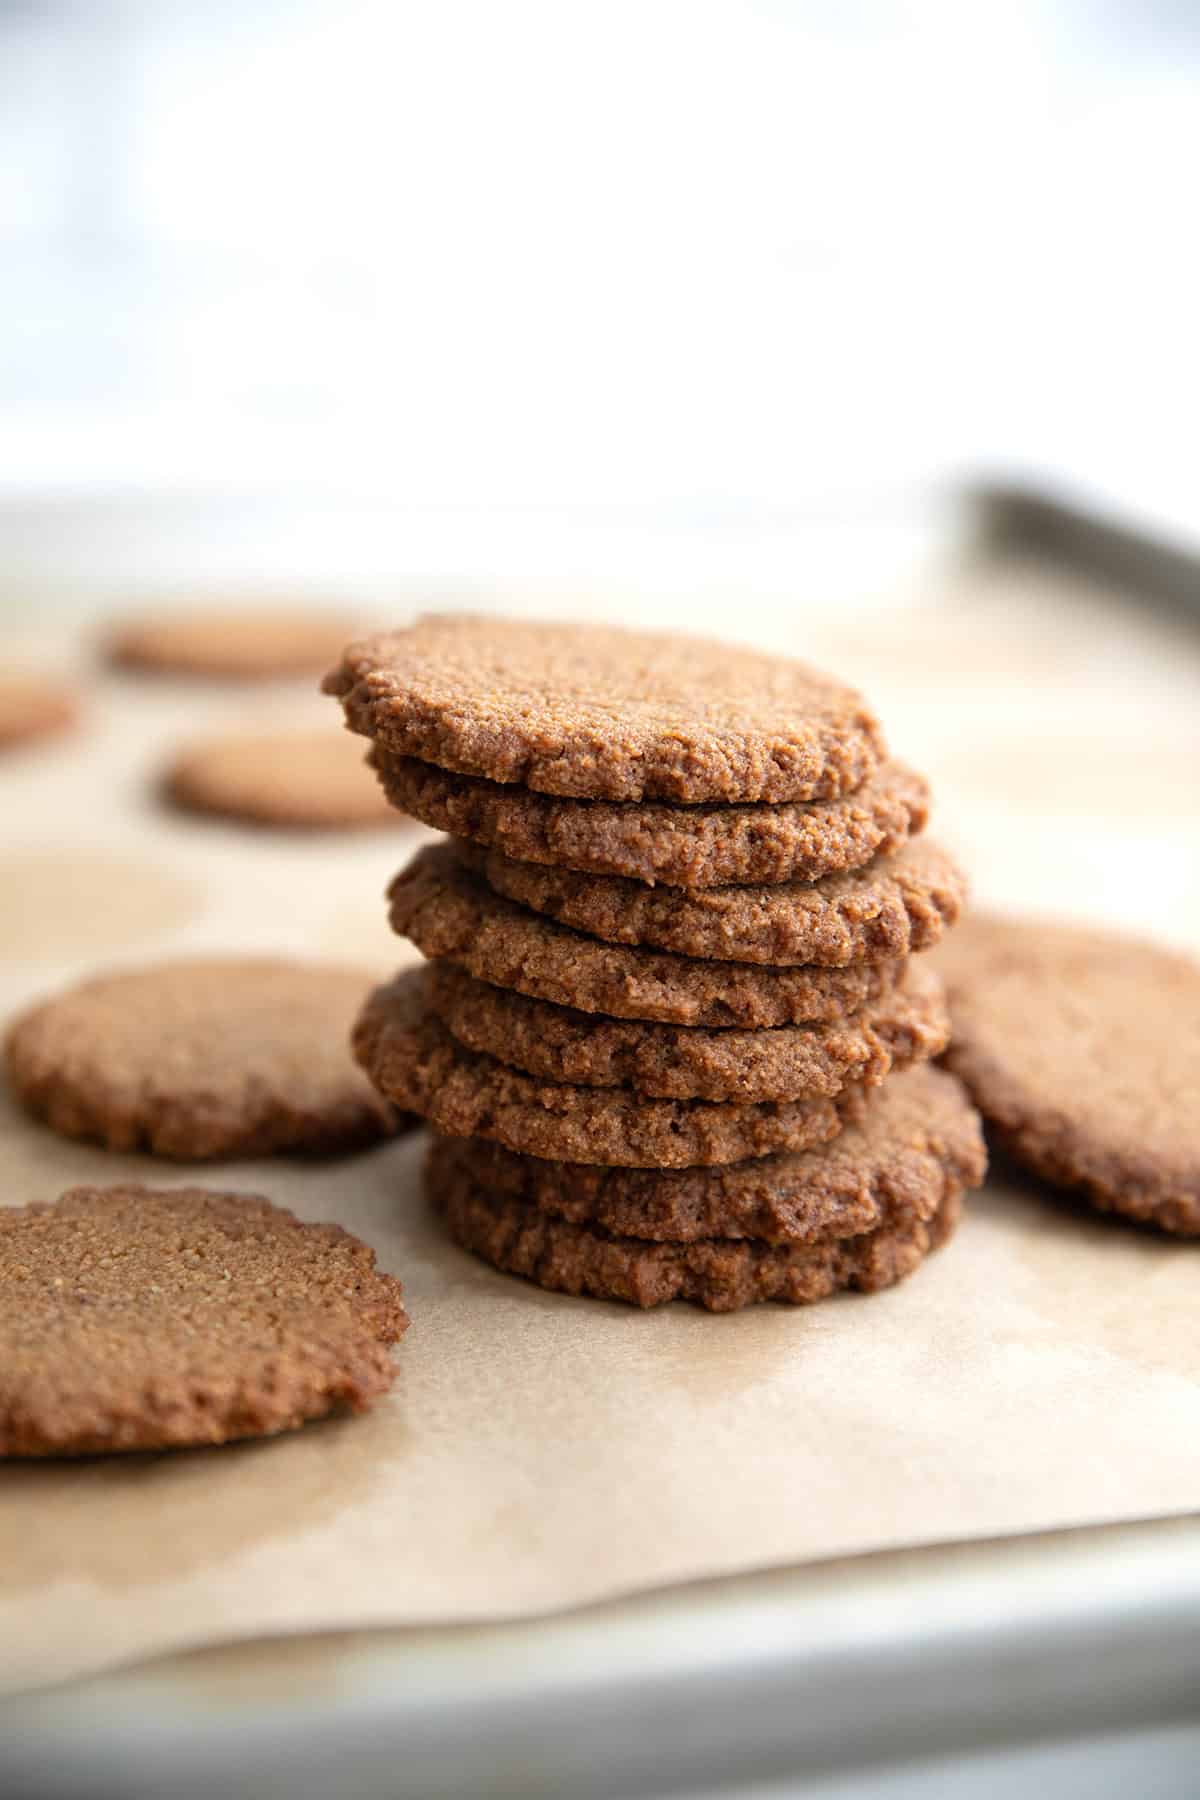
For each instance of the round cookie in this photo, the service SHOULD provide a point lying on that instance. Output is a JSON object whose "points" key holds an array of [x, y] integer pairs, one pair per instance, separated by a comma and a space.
{"points": [[245, 643], [918, 1140], [1081, 1048], [450, 914], [300, 780], [687, 846], [191, 1060], [605, 714], [144, 1320], [416, 1063], [33, 706], [687, 1062], [721, 1274], [892, 907]]}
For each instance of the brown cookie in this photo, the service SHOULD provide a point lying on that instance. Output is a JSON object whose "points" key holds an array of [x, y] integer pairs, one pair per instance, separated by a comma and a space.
{"points": [[688, 1062], [245, 643], [33, 706], [892, 907], [722, 1274], [306, 780], [450, 914], [605, 714], [142, 1320], [689, 846], [201, 1059], [416, 1063], [1082, 1051], [918, 1139]]}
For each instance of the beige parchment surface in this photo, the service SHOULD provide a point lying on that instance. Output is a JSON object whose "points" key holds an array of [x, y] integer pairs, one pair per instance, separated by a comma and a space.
{"points": [[539, 1452]]}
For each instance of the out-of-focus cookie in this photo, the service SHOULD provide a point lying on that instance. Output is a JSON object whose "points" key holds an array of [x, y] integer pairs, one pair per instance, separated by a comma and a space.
{"points": [[918, 1140], [132, 1319], [32, 707], [892, 907], [606, 714], [297, 780], [721, 1274], [451, 914], [1081, 1049], [193, 1060], [697, 846], [243, 643], [687, 1062]]}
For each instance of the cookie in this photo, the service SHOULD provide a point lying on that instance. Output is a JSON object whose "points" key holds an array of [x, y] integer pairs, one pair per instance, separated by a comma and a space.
{"points": [[140, 1320], [245, 643], [892, 907], [687, 846], [722, 1274], [1081, 1048], [918, 1140], [687, 1062], [299, 780], [417, 1064], [221, 1057], [450, 914], [604, 714], [33, 706]]}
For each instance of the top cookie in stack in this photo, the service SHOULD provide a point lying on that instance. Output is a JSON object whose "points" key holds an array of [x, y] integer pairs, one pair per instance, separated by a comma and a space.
{"points": [[673, 935]]}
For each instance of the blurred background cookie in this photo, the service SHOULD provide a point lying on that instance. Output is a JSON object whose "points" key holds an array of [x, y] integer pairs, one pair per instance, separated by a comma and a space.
{"points": [[246, 643], [33, 706], [298, 779], [198, 1059]]}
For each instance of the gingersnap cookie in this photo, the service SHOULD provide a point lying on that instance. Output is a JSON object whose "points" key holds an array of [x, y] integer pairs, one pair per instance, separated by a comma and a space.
{"points": [[689, 846], [220, 1057], [299, 780], [688, 1062], [33, 706], [1081, 1048], [605, 714], [722, 1274], [417, 1064], [244, 643], [133, 1319], [892, 907], [451, 915], [919, 1139]]}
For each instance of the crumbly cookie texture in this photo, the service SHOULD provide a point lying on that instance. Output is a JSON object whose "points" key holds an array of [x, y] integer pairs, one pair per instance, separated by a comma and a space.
{"points": [[892, 907], [697, 846], [233, 643], [303, 780], [722, 1274], [601, 713], [451, 914], [687, 1062], [1082, 1050], [918, 1140], [193, 1060], [134, 1319], [416, 1063]]}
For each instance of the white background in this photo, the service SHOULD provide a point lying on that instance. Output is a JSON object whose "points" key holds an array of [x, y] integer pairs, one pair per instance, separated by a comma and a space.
{"points": [[705, 258]]}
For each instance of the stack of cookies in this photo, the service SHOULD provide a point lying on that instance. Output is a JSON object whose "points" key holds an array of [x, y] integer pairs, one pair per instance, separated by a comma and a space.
{"points": [[670, 1038]]}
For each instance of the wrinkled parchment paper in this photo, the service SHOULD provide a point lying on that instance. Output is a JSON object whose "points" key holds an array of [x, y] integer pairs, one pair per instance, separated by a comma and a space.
{"points": [[538, 1452]]}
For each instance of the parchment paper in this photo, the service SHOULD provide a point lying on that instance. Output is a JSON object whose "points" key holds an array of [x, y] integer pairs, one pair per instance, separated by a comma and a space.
{"points": [[538, 1452]]}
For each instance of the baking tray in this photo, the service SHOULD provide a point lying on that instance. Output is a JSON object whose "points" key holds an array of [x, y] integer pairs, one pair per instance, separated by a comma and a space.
{"points": [[814, 1672], [805, 1672]]}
